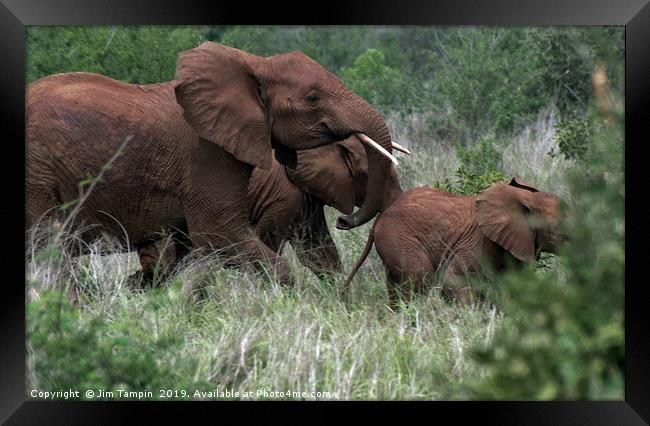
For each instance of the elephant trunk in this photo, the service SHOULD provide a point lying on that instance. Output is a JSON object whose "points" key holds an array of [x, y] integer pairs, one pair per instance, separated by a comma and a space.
{"points": [[378, 193]]}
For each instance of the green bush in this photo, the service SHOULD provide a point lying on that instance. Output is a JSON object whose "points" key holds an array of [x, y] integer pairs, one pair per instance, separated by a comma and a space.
{"points": [[144, 54], [467, 182], [482, 157], [478, 170], [575, 133], [73, 351], [487, 78], [567, 339], [567, 59], [334, 47], [376, 82]]}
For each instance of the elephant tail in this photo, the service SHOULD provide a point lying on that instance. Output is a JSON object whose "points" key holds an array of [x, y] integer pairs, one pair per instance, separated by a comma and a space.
{"points": [[362, 258]]}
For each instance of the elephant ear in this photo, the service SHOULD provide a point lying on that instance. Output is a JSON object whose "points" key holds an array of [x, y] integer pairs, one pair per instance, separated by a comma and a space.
{"points": [[355, 156], [219, 89], [324, 172], [518, 183], [501, 214]]}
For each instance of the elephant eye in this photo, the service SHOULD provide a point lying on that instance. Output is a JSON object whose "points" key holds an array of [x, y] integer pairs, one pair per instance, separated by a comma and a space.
{"points": [[313, 98], [260, 93]]}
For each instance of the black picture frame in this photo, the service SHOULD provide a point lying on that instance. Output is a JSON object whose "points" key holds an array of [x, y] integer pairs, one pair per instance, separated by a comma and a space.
{"points": [[16, 14]]}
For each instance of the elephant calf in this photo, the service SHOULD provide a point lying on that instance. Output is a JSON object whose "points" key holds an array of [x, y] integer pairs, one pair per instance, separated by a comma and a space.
{"points": [[427, 230]]}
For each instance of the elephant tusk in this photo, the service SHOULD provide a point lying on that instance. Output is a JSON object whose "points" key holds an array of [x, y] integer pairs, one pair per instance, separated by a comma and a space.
{"points": [[365, 139], [400, 148]]}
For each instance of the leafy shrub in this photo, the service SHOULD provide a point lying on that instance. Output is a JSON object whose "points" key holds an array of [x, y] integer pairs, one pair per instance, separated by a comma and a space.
{"points": [[144, 54], [565, 70], [331, 46], [482, 157], [478, 170], [487, 78], [467, 182], [71, 351], [374, 81], [568, 61], [575, 133], [259, 40]]}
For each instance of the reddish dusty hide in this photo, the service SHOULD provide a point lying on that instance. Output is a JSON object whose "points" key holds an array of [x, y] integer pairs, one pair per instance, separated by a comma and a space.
{"points": [[428, 231], [193, 145]]}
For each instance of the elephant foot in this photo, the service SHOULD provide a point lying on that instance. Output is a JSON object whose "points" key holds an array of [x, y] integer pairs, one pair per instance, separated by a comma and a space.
{"points": [[157, 259], [282, 272], [466, 296]]}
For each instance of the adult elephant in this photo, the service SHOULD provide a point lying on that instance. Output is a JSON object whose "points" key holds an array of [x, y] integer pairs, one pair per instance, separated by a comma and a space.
{"points": [[427, 231], [193, 144], [287, 206]]}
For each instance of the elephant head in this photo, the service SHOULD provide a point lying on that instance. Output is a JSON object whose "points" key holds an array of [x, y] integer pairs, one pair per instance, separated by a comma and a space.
{"points": [[249, 104], [520, 219], [338, 175]]}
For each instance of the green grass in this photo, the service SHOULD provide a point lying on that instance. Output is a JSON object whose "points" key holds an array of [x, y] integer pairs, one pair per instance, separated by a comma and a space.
{"points": [[239, 331]]}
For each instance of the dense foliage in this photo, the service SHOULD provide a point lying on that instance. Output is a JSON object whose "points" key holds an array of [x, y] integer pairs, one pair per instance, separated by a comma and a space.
{"points": [[132, 54], [479, 168], [77, 352]]}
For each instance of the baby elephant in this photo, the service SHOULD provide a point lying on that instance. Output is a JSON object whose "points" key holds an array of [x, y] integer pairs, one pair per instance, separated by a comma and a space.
{"points": [[427, 231]]}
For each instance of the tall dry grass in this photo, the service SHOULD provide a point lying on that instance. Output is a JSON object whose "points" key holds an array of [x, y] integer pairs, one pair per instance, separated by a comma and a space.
{"points": [[244, 332]]}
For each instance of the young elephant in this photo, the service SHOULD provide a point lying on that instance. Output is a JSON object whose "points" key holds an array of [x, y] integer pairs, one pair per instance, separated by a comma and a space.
{"points": [[287, 205], [427, 230]]}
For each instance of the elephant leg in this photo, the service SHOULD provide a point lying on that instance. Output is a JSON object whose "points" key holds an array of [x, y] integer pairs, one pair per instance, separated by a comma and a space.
{"points": [[406, 268], [217, 211], [237, 242], [456, 288], [182, 243], [403, 285], [395, 288], [160, 255], [41, 197], [157, 257], [323, 260], [239, 249], [255, 252]]}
